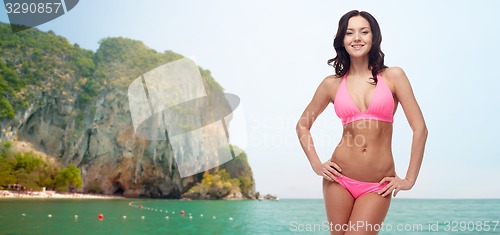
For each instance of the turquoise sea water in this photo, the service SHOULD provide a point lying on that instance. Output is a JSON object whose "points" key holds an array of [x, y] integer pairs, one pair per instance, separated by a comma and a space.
{"points": [[303, 216]]}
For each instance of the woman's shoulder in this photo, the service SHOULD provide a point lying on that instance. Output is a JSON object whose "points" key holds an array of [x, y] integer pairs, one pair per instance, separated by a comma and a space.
{"points": [[329, 86], [332, 81], [394, 77], [392, 73]]}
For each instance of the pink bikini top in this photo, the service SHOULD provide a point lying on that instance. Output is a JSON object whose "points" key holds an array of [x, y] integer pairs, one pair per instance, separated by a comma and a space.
{"points": [[381, 106]]}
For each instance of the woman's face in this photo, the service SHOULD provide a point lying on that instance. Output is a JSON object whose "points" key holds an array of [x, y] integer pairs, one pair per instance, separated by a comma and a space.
{"points": [[358, 37]]}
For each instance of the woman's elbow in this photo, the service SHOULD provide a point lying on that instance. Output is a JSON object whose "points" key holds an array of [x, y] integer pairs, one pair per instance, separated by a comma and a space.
{"points": [[301, 127], [422, 130], [298, 128]]}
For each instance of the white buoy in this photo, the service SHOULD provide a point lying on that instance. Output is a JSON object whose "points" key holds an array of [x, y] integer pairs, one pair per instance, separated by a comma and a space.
{"points": [[213, 217], [50, 216], [231, 218], [75, 216], [124, 216], [201, 215], [142, 217], [23, 214], [166, 211], [166, 217], [190, 217], [161, 210]]}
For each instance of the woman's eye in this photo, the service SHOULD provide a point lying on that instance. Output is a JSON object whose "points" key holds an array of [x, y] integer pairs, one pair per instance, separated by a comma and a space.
{"points": [[348, 33], [366, 32]]}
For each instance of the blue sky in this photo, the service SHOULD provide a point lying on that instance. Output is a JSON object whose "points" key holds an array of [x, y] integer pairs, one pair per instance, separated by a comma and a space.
{"points": [[273, 55]]}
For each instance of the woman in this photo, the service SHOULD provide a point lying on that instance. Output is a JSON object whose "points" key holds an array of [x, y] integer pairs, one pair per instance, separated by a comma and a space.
{"points": [[360, 177]]}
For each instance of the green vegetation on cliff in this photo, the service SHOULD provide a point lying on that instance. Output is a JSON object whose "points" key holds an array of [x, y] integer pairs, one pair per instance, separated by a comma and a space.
{"points": [[218, 186], [34, 172], [232, 177], [240, 168], [68, 178], [37, 63]]}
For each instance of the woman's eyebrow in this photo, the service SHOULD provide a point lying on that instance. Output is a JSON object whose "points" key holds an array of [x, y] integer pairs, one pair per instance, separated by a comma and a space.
{"points": [[359, 29]]}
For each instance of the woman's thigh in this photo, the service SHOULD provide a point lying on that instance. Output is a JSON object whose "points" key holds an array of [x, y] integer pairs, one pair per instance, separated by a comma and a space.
{"points": [[339, 204], [368, 213]]}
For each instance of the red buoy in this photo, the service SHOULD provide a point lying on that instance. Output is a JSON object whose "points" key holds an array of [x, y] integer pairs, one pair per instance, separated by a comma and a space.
{"points": [[182, 212], [140, 206], [100, 216]]}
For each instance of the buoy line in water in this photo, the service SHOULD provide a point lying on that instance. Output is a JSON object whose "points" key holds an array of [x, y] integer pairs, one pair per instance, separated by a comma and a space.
{"points": [[168, 214], [142, 217], [182, 212]]}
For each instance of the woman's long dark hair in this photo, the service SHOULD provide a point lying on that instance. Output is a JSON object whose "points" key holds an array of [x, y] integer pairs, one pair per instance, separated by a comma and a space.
{"points": [[342, 62]]}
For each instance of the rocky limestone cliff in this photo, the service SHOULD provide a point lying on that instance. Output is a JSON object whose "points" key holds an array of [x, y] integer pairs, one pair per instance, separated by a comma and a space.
{"points": [[71, 104]]}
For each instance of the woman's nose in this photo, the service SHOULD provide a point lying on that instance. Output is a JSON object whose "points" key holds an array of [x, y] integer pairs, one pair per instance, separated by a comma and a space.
{"points": [[357, 37]]}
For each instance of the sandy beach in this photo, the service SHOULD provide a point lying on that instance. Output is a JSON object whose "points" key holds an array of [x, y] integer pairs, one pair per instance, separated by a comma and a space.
{"points": [[52, 194]]}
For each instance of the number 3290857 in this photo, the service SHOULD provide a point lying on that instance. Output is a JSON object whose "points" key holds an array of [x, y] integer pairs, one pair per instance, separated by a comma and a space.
{"points": [[33, 8]]}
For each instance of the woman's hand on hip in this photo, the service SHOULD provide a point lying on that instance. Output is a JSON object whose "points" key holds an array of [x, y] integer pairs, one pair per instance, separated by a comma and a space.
{"points": [[328, 170], [395, 185]]}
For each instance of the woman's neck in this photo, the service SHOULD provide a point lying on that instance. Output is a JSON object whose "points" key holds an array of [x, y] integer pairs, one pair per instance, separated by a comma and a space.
{"points": [[359, 66]]}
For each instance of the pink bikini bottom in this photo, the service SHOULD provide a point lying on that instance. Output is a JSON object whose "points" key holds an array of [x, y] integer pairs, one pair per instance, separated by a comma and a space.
{"points": [[359, 188]]}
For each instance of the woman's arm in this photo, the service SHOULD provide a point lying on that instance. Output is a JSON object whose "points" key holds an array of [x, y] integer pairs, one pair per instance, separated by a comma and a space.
{"points": [[404, 94], [318, 103], [415, 118]]}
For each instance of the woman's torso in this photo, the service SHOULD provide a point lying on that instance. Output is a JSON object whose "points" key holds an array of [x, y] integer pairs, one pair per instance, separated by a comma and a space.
{"points": [[364, 152]]}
